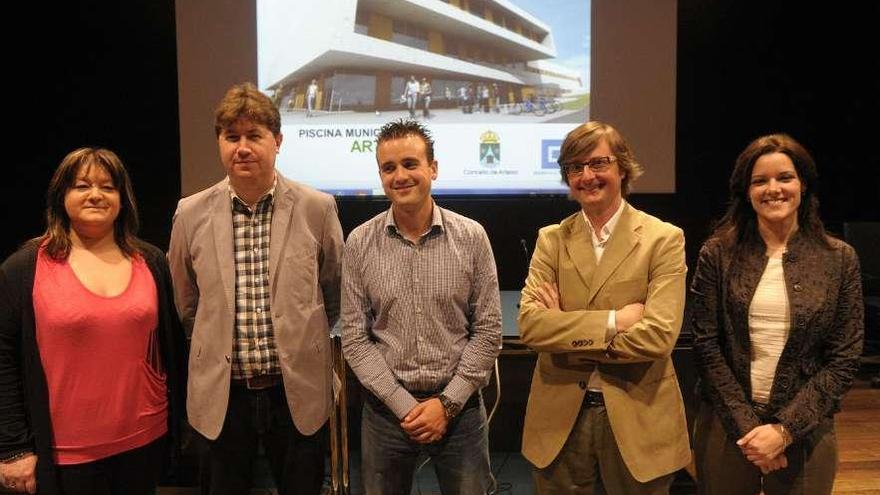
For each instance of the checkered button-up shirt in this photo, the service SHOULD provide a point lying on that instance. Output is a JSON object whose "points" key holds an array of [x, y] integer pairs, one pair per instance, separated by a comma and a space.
{"points": [[420, 316], [253, 349]]}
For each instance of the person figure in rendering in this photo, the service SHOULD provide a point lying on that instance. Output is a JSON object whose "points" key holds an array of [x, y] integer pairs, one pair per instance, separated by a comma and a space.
{"points": [[463, 98], [603, 306], [411, 95], [255, 261], [425, 92], [421, 327], [484, 97], [311, 95]]}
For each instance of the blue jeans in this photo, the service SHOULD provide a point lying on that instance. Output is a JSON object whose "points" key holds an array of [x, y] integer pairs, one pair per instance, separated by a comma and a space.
{"points": [[461, 459]]}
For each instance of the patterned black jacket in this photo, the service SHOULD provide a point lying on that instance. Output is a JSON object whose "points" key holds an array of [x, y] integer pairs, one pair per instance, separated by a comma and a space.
{"points": [[820, 358]]}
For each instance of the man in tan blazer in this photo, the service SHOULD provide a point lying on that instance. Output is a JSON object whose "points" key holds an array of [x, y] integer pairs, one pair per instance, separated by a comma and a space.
{"points": [[255, 261], [603, 307]]}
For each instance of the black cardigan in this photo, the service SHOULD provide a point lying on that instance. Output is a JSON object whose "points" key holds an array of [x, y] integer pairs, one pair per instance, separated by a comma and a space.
{"points": [[24, 398]]}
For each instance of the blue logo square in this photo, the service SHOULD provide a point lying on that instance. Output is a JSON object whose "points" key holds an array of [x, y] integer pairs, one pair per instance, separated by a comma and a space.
{"points": [[550, 153]]}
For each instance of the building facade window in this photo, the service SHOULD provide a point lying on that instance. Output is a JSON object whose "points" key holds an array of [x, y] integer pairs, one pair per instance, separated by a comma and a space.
{"points": [[398, 85], [362, 22], [347, 91], [409, 34]]}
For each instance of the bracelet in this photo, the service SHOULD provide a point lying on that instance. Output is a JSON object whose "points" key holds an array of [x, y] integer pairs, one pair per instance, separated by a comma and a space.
{"points": [[15, 457], [786, 436]]}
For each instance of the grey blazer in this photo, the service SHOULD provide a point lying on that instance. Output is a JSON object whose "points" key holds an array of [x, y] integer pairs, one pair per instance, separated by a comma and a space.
{"points": [[305, 248]]}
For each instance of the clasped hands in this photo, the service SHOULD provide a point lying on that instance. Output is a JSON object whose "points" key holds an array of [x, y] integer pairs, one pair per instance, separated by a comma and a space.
{"points": [[764, 447], [426, 423]]}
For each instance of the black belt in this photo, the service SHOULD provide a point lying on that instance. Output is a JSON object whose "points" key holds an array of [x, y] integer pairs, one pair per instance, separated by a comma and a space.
{"points": [[260, 382], [593, 399]]}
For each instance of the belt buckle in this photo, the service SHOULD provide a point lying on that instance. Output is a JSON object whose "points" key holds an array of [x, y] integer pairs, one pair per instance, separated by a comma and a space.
{"points": [[594, 399], [260, 382]]}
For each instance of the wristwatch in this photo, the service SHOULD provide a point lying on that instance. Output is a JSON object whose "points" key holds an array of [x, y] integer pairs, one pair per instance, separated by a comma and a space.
{"points": [[452, 407]]}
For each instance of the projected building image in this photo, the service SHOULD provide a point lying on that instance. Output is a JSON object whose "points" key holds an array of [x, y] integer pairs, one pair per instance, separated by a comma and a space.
{"points": [[349, 60]]}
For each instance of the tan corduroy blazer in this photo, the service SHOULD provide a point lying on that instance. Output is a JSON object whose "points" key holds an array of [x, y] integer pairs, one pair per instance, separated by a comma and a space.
{"points": [[644, 261]]}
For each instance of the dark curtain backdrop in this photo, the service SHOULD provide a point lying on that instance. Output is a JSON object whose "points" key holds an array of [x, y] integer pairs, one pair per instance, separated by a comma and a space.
{"points": [[104, 73]]}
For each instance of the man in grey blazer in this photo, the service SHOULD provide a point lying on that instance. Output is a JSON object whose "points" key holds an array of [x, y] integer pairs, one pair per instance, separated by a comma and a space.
{"points": [[255, 261]]}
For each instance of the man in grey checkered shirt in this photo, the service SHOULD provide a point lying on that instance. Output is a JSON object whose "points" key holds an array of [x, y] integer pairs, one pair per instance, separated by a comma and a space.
{"points": [[255, 261], [421, 327]]}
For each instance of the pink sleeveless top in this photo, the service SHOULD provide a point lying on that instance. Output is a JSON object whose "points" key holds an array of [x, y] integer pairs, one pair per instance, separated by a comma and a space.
{"points": [[107, 392]]}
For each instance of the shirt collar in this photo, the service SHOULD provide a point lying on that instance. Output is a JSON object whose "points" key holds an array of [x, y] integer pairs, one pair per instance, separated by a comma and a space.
{"points": [[270, 193], [436, 221], [604, 233]]}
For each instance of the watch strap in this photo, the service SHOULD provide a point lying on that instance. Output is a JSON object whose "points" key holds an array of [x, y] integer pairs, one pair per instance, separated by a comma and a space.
{"points": [[452, 408]]}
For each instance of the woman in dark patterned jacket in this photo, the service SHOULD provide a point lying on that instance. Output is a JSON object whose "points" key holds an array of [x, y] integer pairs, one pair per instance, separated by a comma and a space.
{"points": [[778, 325]]}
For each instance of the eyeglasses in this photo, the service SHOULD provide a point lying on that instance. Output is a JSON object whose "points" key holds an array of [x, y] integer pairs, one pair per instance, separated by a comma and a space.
{"points": [[596, 165]]}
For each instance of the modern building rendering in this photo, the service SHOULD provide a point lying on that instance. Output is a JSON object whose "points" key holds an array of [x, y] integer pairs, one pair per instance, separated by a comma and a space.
{"points": [[361, 53]]}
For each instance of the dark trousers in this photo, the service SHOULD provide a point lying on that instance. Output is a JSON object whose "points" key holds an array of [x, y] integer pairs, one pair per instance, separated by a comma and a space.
{"points": [[134, 472], [723, 470], [254, 416], [590, 462]]}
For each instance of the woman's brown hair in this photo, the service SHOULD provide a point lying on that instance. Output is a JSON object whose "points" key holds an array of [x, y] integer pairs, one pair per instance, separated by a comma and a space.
{"points": [[739, 225], [57, 235]]}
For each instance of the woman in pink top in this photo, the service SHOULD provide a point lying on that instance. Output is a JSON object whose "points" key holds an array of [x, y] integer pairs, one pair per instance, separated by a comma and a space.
{"points": [[91, 351]]}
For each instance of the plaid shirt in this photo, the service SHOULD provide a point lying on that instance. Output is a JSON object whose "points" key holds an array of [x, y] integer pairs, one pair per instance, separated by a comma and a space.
{"points": [[253, 349], [420, 316]]}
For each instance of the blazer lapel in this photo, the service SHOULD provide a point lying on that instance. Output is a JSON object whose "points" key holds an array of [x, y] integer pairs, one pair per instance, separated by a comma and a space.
{"points": [[221, 224], [580, 248], [282, 210], [624, 238]]}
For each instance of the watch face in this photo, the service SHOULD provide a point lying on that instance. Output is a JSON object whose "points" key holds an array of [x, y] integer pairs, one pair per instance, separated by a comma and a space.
{"points": [[452, 408]]}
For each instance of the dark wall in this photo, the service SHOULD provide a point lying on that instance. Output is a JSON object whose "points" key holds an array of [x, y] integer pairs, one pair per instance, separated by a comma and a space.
{"points": [[90, 73], [107, 76]]}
